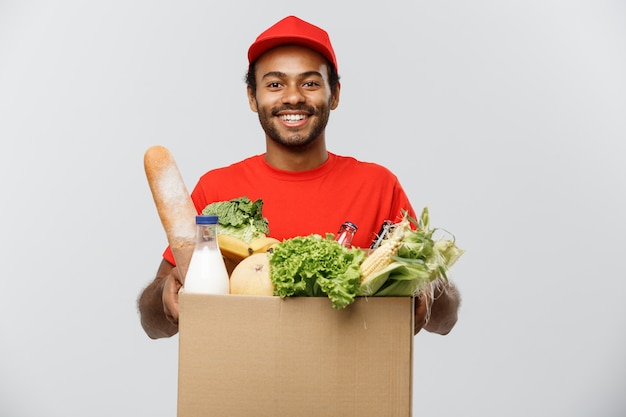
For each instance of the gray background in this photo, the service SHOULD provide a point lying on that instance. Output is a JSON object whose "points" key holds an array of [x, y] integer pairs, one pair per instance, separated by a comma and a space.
{"points": [[506, 118]]}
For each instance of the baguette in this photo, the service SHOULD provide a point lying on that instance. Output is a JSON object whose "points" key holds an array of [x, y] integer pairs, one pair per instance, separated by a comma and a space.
{"points": [[174, 205]]}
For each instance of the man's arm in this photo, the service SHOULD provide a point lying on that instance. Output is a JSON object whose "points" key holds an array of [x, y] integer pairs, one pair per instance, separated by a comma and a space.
{"points": [[158, 303], [436, 309]]}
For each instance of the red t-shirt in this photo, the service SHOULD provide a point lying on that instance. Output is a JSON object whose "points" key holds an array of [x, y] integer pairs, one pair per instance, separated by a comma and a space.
{"points": [[314, 201]]}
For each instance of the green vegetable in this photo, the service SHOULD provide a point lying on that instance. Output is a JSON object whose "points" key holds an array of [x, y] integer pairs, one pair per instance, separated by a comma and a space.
{"points": [[405, 280], [240, 218], [315, 266], [420, 258]]}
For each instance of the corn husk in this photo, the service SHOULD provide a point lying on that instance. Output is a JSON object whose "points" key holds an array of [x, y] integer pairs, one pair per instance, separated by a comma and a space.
{"points": [[418, 261]]}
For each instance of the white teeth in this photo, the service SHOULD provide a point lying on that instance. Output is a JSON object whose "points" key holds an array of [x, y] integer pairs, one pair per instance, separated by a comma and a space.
{"points": [[292, 117]]}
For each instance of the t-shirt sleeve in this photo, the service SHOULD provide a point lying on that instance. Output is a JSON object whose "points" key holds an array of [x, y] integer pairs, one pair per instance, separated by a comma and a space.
{"points": [[169, 256], [401, 202]]}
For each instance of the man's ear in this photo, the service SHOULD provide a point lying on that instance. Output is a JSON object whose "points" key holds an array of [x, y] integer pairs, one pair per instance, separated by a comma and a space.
{"points": [[252, 100], [334, 100]]}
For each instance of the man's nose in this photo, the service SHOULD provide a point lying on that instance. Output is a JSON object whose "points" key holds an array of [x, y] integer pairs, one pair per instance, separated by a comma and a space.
{"points": [[293, 94]]}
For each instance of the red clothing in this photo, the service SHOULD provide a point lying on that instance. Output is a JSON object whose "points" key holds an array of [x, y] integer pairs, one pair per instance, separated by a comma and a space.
{"points": [[314, 201]]}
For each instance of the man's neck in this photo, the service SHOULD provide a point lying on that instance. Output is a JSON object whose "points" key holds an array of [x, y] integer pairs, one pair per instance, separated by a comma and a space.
{"points": [[289, 159]]}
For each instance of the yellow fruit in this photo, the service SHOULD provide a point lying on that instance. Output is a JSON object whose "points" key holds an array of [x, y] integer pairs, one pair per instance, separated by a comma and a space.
{"points": [[252, 276], [263, 244], [233, 248]]}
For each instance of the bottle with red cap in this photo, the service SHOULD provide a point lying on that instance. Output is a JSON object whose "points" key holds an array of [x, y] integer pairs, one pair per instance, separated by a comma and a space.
{"points": [[346, 233]]}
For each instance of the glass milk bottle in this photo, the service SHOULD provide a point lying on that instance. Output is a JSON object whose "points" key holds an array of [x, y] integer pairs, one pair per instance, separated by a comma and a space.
{"points": [[207, 272]]}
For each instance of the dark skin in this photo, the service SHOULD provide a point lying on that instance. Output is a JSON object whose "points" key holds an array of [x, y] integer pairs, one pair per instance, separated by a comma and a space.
{"points": [[293, 99], [158, 303]]}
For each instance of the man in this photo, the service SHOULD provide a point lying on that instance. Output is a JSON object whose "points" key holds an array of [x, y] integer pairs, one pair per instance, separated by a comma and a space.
{"points": [[293, 84]]}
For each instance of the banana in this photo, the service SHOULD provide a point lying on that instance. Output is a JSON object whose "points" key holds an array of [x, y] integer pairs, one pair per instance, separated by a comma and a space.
{"points": [[233, 248], [263, 244]]}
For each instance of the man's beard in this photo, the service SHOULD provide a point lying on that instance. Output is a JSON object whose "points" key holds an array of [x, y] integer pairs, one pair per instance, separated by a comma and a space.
{"points": [[295, 139]]}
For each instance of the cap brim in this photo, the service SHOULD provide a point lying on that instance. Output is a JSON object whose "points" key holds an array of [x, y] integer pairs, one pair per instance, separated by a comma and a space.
{"points": [[260, 47]]}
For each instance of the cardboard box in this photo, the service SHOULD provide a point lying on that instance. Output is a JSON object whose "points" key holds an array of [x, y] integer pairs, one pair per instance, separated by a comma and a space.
{"points": [[267, 356]]}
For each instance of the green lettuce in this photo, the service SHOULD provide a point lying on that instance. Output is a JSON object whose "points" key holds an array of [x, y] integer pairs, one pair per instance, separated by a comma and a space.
{"points": [[315, 266], [240, 217]]}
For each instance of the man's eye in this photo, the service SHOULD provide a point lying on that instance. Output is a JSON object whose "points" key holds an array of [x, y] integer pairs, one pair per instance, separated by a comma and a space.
{"points": [[273, 85], [311, 84]]}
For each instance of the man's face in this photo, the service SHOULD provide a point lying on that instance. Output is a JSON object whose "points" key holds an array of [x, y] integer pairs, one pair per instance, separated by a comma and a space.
{"points": [[293, 97]]}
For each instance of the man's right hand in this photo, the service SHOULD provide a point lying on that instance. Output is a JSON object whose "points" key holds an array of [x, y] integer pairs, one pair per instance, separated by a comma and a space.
{"points": [[158, 303], [171, 288]]}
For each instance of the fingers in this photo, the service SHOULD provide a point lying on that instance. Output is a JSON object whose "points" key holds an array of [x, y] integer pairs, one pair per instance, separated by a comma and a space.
{"points": [[423, 304], [171, 288], [420, 315]]}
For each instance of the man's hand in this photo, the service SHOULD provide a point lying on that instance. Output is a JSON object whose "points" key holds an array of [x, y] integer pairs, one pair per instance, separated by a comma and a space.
{"points": [[158, 303], [436, 308], [171, 287]]}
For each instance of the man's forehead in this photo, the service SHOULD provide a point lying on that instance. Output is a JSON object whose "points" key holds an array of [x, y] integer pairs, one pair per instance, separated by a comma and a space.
{"points": [[291, 59]]}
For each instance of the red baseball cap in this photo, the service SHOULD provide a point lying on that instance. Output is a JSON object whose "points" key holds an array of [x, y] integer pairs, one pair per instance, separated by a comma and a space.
{"points": [[292, 30]]}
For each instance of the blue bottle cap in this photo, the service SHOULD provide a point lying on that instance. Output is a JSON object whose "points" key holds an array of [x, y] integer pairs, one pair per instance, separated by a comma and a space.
{"points": [[206, 219]]}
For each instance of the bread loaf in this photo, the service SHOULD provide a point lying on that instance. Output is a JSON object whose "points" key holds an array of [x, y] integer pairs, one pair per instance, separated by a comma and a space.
{"points": [[173, 203]]}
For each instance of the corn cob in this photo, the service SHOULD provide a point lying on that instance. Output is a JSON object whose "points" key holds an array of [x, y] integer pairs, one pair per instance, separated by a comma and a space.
{"points": [[383, 255], [408, 263]]}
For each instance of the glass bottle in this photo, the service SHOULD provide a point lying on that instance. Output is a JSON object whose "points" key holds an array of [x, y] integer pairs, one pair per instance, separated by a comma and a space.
{"points": [[207, 272], [346, 234], [385, 229]]}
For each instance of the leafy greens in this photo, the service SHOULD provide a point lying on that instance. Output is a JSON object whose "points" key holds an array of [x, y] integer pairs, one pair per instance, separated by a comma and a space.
{"points": [[240, 217], [315, 266]]}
